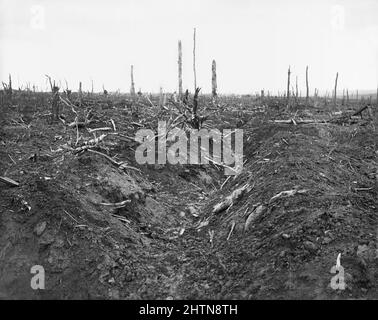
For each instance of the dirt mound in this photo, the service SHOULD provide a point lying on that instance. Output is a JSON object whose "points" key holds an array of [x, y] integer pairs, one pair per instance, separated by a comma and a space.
{"points": [[313, 194]]}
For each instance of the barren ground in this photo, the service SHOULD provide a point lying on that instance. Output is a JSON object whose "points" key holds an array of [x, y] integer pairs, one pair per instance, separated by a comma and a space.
{"points": [[55, 219]]}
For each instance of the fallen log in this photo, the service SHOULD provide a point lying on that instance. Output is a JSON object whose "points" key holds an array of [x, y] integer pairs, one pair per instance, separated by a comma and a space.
{"points": [[9, 181], [359, 111]]}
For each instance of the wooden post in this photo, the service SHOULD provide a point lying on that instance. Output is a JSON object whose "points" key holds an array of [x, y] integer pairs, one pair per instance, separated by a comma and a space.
{"points": [[307, 88], [214, 80], [180, 69], [296, 88], [194, 59], [335, 92], [288, 86], [132, 88]]}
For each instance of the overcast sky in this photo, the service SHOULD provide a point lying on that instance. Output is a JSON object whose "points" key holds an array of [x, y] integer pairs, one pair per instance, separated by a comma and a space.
{"points": [[253, 43]]}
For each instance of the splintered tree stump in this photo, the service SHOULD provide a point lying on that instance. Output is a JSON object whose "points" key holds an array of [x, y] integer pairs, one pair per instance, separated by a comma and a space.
{"points": [[335, 90], [161, 103], [10, 90], [347, 97], [180, 69], [307, 88], [132, 87], [288, 86], [194, 59], [55, 104], [195, 119], [214, 80]]}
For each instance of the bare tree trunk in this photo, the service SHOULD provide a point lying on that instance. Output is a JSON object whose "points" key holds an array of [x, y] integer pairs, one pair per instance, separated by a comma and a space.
{"points": [[335, 92], [288, 86], [194, 59], [92, 86], [307, 88], [180, 69], [296, 88], [132, 88], [214, 80]]}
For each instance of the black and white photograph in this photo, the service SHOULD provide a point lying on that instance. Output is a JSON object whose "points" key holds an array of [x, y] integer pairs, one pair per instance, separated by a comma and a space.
{"points": [[212, 152]]}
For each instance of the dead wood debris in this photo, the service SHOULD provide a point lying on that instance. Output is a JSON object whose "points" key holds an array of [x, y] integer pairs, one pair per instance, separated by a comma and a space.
{"points": [[288, 193], [232, 229], [230, 200], [116, 205], [9, 181], [120, 218], [252, 217]]}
